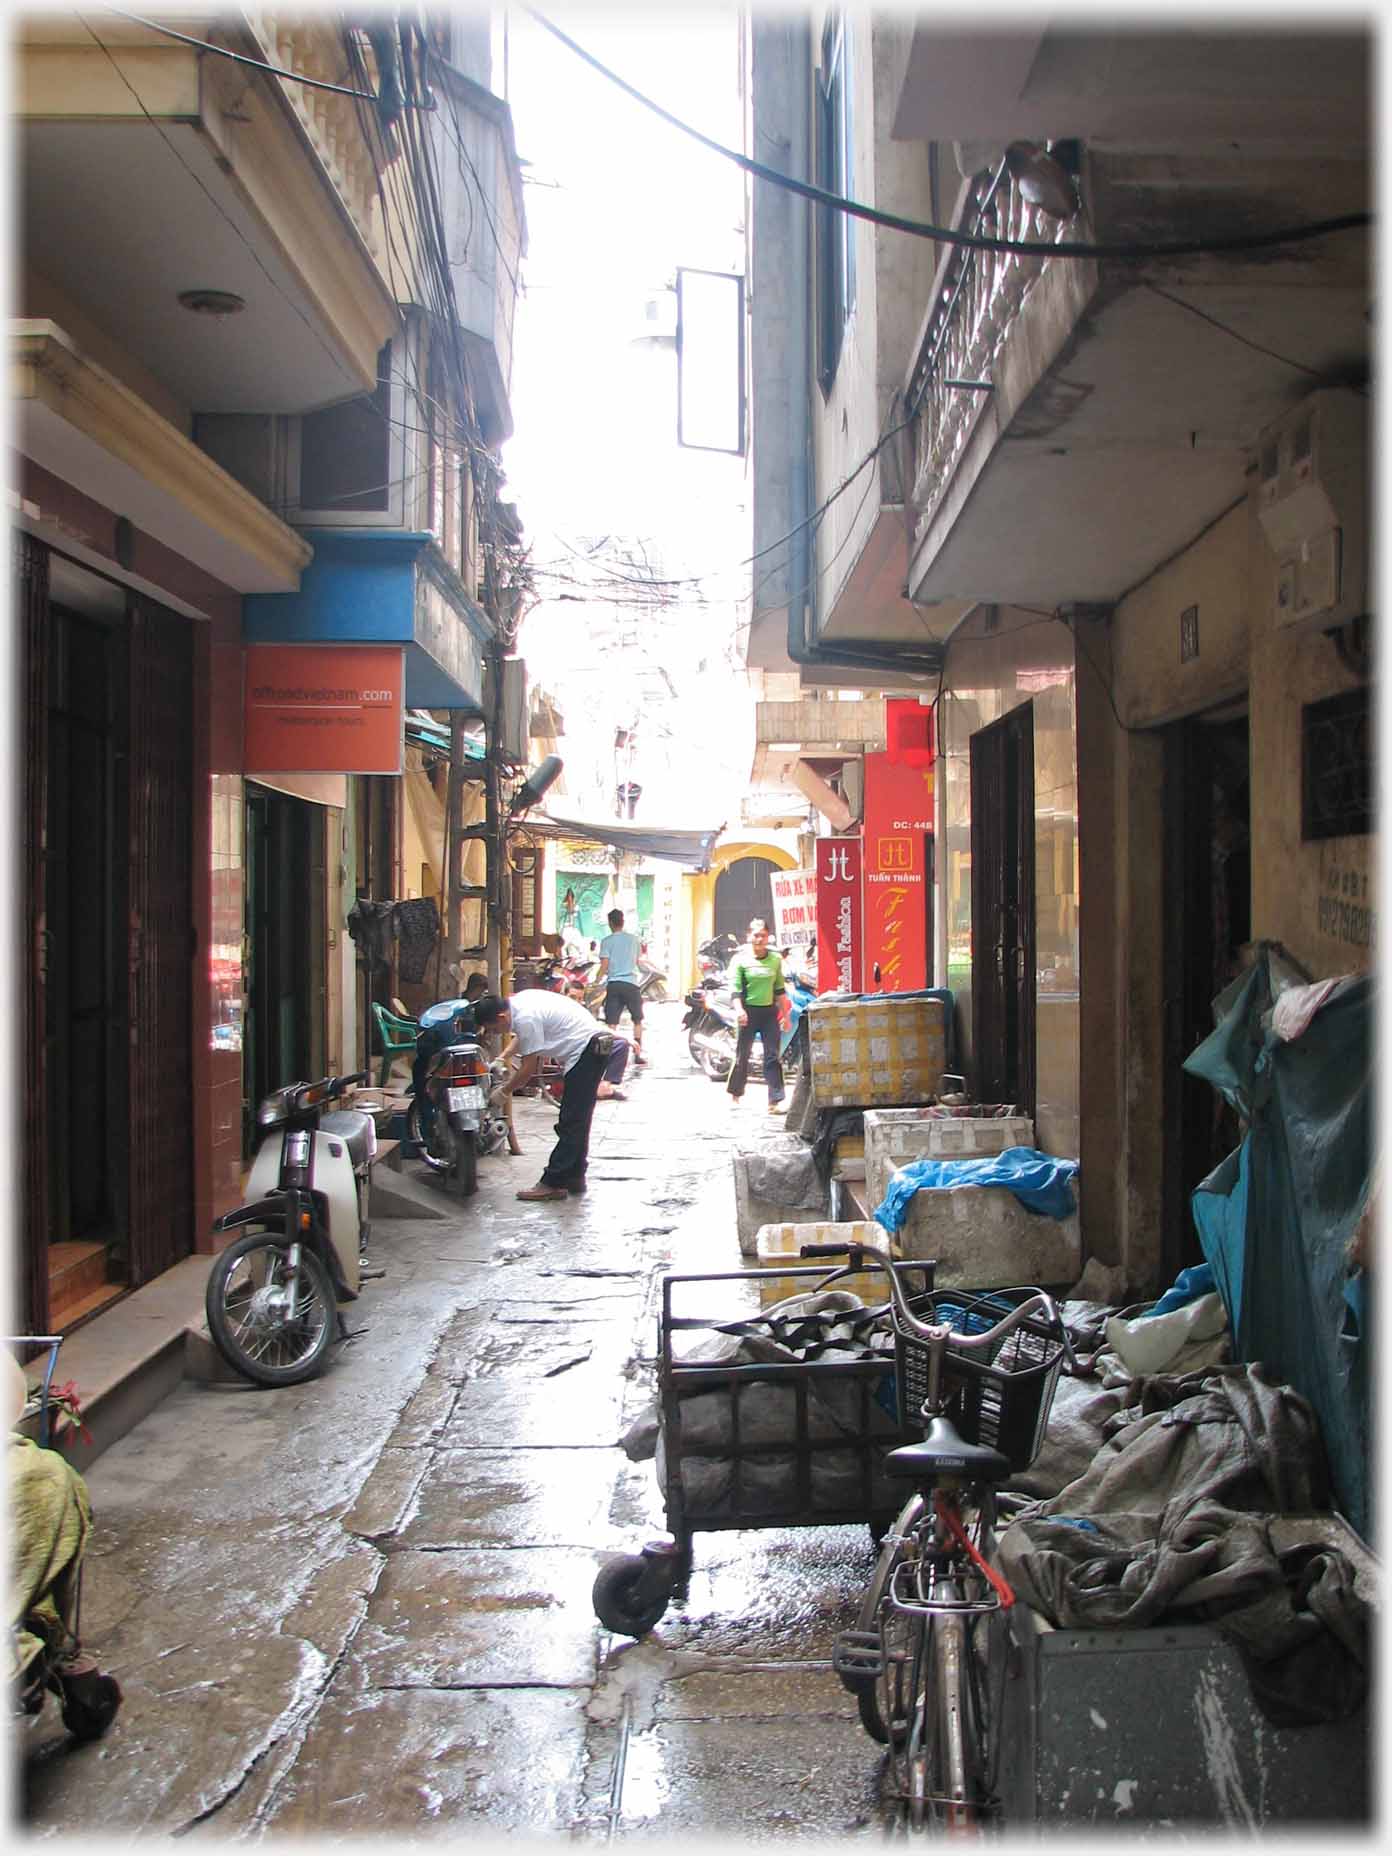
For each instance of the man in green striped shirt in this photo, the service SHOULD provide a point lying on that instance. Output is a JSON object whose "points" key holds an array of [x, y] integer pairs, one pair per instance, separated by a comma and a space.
{"points": [[756, 974]]}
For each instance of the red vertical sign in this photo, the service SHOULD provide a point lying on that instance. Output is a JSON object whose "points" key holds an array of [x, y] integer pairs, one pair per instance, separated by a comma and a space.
{"points": [[898, 821], [839, 929]]}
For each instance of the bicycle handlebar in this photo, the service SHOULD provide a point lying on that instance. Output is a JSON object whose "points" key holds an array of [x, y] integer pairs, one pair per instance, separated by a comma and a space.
{"points": [[937, 1332]]}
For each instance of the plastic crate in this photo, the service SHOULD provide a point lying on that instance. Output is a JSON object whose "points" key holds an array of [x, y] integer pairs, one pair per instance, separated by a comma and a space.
{"points": [[1001, 1398]]}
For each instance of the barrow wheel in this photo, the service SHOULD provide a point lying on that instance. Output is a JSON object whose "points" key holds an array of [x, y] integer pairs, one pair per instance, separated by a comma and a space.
{"points": [[630, 1595]]}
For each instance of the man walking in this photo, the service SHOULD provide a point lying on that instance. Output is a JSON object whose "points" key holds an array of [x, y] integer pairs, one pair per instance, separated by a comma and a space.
{"points": [[618, 966], [547, 1024], [756, 974]]}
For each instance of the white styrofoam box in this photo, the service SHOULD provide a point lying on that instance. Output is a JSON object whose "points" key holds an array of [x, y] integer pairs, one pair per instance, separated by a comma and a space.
{"points": [[895, 1136], [779, 1243], [982, 1237]]}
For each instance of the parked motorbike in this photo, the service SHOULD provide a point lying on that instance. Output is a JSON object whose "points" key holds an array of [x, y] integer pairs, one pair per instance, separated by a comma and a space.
{"points": [[712, 1030], [276, 1295], [800, 978], [714, 956], [451, 1119]]}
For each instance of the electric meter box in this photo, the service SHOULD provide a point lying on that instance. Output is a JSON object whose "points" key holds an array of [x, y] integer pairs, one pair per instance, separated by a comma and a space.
{"points": [[1312, 503]]}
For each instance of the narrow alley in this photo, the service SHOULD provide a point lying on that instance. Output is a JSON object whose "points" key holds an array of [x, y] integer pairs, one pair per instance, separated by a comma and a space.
{"points": [[362, 1604]]}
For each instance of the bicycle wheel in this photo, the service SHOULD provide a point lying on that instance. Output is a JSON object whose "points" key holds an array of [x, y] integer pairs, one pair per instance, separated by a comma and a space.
{"points": [[885, 1704]]}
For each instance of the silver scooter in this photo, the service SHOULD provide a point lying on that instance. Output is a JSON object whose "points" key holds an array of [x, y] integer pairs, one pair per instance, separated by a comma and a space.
{"points": [[276, 1295]]}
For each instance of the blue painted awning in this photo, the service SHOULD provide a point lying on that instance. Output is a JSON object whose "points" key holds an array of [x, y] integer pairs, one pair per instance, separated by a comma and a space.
{"points": [[383, 586]]}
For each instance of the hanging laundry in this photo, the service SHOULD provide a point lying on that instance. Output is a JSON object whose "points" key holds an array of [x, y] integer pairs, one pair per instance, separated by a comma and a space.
{"points": [[372, 926], [417, 930]]}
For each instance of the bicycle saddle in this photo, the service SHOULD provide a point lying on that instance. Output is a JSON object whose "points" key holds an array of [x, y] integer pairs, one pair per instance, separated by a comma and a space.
{"points": [[945, 1452]]}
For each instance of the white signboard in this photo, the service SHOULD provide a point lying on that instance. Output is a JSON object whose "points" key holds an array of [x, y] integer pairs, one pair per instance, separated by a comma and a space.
{"points": [[794, 907]]}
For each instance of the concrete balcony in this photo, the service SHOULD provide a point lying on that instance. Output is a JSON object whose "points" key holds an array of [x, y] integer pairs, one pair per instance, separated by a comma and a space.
{"points": [[486, 229], [1074, 421], [148, 169], [813, 729]]}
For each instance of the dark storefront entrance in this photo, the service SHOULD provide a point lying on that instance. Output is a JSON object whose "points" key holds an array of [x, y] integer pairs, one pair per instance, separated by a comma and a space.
{"points": [[106, 734], [285, 979]]}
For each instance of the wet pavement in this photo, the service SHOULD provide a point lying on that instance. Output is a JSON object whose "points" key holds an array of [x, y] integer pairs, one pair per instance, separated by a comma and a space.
{"points": [[362, 1605]]}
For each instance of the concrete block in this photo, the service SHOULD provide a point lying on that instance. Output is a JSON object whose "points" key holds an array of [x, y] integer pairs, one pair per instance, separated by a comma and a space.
{"points": [[982, 1237], [780, 1163]]}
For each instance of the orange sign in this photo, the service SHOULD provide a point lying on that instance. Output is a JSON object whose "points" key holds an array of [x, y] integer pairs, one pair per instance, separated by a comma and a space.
{"points": [[321, 708]]}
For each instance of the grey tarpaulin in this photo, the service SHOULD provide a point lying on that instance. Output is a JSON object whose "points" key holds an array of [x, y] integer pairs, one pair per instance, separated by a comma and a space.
{"points": [[1170, 1520], [1275, 1218]]}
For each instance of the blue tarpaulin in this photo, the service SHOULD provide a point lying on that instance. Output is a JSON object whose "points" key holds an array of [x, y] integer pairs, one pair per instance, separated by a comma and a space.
{"points": [[1275, 1218], [1039, 1181]]}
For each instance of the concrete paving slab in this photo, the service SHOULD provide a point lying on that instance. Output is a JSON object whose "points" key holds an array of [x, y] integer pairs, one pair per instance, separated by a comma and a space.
{"points": [[493, 1498], [422, 1762], [524, 1411], [735, 1690], [491, 1619], [426, 1413], [385, 1499], [771, 1592], [756, 1780]]}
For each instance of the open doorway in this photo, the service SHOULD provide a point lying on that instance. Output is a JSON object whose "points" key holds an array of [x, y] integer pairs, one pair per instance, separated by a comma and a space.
{"points": [[1208, 919], [744, 891], [1003, 924], [286, 987]]}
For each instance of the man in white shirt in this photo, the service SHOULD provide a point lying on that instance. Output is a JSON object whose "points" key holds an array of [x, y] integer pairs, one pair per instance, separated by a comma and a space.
{"points": [[618, 966], [547, 1024]]}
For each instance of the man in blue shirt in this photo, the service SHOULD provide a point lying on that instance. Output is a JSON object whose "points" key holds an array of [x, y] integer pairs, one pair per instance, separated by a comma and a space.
{"points": [[618, 965]]}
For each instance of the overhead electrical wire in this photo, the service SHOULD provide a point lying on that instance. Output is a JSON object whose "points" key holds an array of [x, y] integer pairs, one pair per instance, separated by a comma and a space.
{"points": [[946, 235], [256, 64]]}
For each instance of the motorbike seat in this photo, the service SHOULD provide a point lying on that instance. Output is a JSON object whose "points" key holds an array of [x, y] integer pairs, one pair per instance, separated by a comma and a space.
{"points": [[351, 1127]]}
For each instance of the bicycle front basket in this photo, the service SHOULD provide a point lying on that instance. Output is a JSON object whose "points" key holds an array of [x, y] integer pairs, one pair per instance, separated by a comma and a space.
{"points": [[1000, 1398]]}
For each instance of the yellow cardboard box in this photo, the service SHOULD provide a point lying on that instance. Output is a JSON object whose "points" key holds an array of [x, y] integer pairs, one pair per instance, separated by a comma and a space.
{"points": [[885, 1052], [780, 1243]]}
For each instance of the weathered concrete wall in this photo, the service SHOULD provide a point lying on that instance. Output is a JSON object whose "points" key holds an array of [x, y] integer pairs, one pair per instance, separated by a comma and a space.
{"points": [[1319, 898], [1151, 683]]}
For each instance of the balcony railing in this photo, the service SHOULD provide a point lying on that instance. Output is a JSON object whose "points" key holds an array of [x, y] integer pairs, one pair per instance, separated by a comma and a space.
{"points": [[335, 128], [978, 295]]}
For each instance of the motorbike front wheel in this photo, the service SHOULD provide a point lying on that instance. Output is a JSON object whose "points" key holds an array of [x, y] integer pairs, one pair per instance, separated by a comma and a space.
{"points": [[717, 1064], [274, 1324]]}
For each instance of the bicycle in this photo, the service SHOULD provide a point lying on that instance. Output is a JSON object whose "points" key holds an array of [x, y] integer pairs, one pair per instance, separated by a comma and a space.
{"points": [[926, 1659]]}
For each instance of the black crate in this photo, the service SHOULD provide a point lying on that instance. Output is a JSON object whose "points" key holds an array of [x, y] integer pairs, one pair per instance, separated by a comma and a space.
{"points": [[1001, 1397]]}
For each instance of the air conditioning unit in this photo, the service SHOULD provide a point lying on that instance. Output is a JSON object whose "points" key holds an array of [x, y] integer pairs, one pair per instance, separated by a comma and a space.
{"points": [[1312, 503]]}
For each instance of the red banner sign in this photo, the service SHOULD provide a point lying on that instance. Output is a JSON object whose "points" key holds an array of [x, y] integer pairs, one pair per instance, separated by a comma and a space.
{"points": [[838, 915], [898, 823], [321, 708]]}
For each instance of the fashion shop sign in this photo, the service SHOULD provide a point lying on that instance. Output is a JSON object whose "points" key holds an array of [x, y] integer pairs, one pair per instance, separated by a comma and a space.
{"points": [[839, 914], [323, 708]]}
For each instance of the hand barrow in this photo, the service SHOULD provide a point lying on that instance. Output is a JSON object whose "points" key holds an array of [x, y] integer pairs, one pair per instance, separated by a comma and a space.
{"points": [[789, 1444]]}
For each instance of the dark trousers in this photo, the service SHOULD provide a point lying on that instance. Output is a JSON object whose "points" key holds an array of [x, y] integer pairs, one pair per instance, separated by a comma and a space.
{"points": [[571, 1154], [762, 1023]]}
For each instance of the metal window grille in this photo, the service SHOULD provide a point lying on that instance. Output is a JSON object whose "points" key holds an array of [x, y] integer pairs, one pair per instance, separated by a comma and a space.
{"points": [[1337, 766]]}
